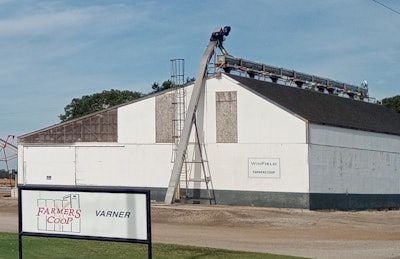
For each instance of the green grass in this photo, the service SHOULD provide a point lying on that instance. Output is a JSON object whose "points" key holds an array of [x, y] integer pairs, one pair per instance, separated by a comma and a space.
{"points": [[57, 248]]}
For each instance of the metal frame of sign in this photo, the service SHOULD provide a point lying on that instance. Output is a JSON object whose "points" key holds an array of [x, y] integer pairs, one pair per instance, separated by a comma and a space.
{"points": [[91, 189]]}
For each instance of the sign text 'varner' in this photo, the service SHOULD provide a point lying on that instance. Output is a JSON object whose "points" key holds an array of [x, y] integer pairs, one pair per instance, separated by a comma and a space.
{"points": [[113, 214]]}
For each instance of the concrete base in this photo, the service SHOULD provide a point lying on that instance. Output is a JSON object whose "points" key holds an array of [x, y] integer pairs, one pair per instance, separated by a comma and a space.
{"points": [[312, 201], [324, 201]]}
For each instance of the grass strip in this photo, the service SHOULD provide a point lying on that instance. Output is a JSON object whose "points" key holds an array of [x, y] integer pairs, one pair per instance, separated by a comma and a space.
{"points": [[65, 248]]}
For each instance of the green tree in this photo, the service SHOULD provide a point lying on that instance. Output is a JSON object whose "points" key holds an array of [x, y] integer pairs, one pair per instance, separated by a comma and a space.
{"points": [[190, 79], [165, 85], [3, 173], [392, 102], [91, 103]]}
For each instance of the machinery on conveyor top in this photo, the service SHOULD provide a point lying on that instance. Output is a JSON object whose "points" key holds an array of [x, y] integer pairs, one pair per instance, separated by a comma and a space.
{"points": [[255, 69]]}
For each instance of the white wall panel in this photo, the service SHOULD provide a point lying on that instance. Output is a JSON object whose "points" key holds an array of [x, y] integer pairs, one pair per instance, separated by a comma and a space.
{"points": [[229, 167], [21, 152], [48, 165], [259, 121], [136, 122], [130, 165]]}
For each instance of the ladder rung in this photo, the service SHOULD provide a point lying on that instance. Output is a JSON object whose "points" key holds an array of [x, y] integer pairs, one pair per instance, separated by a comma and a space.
{"points": [[199, 180], [195, 162]]}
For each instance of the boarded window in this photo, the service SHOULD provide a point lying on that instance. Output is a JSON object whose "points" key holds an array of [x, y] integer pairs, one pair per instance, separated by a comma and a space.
{"points": [[226, 117], [164, 118]]}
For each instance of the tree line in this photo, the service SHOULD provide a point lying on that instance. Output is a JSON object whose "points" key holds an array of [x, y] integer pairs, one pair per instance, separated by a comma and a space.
{"points": [[392, 102]]}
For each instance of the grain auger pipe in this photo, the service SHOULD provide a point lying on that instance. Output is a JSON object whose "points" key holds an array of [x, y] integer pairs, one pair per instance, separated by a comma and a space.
{"points": [[217, 37]]}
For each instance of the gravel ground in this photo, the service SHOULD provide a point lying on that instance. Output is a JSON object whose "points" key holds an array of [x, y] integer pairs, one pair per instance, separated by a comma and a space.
{"points": [[313, 234]]}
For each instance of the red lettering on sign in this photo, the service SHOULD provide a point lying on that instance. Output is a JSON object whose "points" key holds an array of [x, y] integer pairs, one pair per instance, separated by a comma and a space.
{"points": [[73, 213]]}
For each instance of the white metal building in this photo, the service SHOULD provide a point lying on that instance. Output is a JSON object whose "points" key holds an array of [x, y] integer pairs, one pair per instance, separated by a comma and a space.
{"points": [[266, 145]]}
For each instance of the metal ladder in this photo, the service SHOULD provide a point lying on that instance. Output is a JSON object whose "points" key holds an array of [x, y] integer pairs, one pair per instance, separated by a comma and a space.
{"points": [[203, 178], [195, 182], [179, 107]]}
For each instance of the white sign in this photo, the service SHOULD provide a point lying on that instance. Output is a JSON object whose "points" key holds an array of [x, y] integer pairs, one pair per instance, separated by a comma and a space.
{"points": [[264, 168], [101, 214]]}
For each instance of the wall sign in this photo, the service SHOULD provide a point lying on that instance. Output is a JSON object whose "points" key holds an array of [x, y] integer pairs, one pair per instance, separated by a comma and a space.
{"points": [[102, 213], [264, 167]]}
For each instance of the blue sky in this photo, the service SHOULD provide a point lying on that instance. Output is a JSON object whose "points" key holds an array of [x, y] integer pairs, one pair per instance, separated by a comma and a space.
{"points": [[54, 51]]}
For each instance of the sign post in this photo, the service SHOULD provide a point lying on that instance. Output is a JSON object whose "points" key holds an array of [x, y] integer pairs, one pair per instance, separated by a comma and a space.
{"points": [[95, 213]]}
